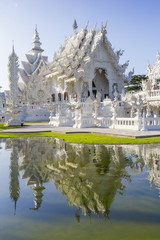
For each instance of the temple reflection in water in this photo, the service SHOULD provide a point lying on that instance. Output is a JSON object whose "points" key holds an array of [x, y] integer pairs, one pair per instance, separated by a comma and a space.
{"points": [[88, 175]]}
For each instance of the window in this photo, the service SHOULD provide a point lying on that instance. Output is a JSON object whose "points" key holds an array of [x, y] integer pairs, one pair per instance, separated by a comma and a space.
{"points": [[53, 97], [93, 84], [59, 97], [106, 95], [158, 83], [94, 93], [66, 96]]}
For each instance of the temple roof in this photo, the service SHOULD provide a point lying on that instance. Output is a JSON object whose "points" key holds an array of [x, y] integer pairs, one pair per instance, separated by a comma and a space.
{"points": [[33, 63], [31, 66], [80, 48], [36, 45]]}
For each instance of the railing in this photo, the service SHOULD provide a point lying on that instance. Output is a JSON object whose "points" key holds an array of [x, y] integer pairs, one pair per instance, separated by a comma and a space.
{"points": [[104, 122], [116, 123], [154, 93], [128, 123], [120, 123], [87, 117], [137, 123], [151, 123], [61, 121]]}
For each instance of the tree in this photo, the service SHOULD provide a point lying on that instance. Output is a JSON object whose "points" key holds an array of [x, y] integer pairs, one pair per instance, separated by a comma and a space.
{"points": [[136, 83]]}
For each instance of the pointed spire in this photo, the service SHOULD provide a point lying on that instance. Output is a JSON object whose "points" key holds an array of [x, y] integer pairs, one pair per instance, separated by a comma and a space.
{"points": [[87, 24], [12, 45], [38, 196], [103, 29], [148, 68], [158, 56], [13, 66], [75, 26], [36, 45], [14, 178], [36, 35], [15, 206]]}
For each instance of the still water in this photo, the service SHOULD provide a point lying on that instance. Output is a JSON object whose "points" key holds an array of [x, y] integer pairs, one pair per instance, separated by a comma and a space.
{"points": [[55, 190]]}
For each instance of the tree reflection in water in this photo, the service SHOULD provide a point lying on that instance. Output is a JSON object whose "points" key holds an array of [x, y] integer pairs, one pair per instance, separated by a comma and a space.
{"points": [[88, 175]]}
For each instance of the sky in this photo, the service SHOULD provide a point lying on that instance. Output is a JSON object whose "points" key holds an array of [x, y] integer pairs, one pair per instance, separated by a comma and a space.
{"points": [[132, 25]]}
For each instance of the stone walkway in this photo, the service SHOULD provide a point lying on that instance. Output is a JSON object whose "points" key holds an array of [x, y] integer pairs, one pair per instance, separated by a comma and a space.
{"points": [[66, 130]]}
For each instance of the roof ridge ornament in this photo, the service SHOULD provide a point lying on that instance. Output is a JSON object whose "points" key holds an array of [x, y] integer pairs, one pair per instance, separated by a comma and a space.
{"points": [[87, 25], [158, 55], [75, 25], [148, 68], [130, 74], [12, 45], [95, 27], [104, 31], [103, 28]]}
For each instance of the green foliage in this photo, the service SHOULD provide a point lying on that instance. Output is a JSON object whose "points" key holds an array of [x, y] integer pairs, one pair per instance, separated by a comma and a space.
{"points": [[136, 82]]}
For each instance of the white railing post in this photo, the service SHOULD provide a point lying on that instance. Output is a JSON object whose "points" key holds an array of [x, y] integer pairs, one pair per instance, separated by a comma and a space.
{"points": [[144, 122], [114, 119]]}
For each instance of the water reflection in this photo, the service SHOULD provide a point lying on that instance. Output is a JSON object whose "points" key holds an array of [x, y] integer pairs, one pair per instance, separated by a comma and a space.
{"points": [[14, 176], [88, 175]]}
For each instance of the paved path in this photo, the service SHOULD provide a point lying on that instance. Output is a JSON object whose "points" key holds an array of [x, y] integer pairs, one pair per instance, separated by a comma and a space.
{"points": [[67, 130]]}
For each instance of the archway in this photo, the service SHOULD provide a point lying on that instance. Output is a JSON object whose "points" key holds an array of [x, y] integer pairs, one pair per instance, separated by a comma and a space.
{"points": [[100, 83]]}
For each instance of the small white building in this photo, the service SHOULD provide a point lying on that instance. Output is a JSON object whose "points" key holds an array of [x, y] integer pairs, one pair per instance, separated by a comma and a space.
{"points": [[2, 106]]}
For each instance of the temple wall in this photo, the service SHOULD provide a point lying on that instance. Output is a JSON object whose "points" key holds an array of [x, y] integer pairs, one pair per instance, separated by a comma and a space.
{"points": [[111, 75]]}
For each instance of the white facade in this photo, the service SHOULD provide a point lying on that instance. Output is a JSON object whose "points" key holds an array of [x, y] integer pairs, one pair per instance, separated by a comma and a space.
{"points": [[85, 65], [87, 80], [84, 86]]}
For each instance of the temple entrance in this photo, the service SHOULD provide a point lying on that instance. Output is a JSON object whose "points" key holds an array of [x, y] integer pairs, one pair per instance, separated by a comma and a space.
{"points": [[100, 84]]}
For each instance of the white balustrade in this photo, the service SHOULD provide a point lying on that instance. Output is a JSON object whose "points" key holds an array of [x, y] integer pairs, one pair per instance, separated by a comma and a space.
{"points": [[154, 93], [85, 115], [128, 123], [104, 122], [151, 123]]}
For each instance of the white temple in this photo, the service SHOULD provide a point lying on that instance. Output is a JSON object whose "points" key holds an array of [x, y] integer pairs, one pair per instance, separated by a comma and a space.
{"points": [[84, 86]]}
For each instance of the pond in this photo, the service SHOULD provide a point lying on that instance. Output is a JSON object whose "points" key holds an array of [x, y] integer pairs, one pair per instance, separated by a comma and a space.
{"points": [[56, 190]]}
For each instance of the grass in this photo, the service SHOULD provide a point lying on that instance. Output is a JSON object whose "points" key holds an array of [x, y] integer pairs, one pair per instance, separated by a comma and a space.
{"points": [[80, 137], [28, 123], [85, 138], [2, 127]]}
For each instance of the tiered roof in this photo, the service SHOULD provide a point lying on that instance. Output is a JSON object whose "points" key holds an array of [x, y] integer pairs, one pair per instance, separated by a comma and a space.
{"points": [[78, 50], [33, 63], [36, 45]]}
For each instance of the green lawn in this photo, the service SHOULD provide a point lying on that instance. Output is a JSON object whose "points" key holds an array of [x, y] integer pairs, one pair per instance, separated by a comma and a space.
{"points": [[80, 137], [85, 138], [2, 127], [28, 123]]}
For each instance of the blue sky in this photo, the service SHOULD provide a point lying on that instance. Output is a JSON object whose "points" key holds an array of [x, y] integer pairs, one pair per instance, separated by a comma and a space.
{"points": [[132, 25]]}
